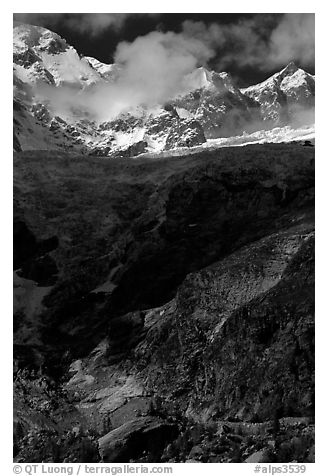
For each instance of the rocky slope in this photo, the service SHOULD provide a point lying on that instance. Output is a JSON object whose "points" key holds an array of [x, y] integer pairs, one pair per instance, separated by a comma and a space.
{"points": [[49, 73], [167, 301], [218, 104]]}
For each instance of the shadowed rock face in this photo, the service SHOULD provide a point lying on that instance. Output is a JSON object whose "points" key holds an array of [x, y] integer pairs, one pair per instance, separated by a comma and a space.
{"points": [[32, 256], [271, 361], [241, 335], [16, 143], [208, 213], [124, 332], [188, 280], [24, 243], [144, 228]]}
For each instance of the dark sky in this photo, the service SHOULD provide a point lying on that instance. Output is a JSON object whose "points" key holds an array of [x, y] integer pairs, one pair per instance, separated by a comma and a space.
{"points": [[102, 45]]}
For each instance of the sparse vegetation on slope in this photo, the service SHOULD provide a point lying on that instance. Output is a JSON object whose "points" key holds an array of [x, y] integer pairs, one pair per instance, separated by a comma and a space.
{"points": [[196, 270]]}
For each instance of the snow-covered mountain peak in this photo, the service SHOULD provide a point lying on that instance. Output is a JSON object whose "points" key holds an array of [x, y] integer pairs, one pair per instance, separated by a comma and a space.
{"points": [[41, 55], [38, 38], [291, 68], [291, 74], [53, 88], [109, 72], [211, 81], [199, 78], [297, 79], [279, 94]]}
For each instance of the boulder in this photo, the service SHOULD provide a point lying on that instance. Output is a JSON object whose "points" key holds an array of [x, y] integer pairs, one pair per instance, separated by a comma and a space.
{"points": [[261, 456], [130, 440], [196, 452]]}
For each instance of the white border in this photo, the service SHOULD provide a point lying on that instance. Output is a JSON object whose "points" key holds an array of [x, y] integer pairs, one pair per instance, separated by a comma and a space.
{"points": [[204, 6]]}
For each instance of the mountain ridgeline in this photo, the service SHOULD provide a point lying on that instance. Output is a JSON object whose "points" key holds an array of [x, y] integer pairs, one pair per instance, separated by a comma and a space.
{"points": [[55, 88]]}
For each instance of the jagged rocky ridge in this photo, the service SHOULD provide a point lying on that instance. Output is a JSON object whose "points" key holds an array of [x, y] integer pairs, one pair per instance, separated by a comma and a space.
{"points": [[212, 107], [167, 301]]}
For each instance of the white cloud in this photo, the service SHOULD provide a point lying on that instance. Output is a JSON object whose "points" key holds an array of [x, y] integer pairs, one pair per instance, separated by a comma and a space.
{"points": [[152, 69], [153, 66], [244, 43], [293, 39]]}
